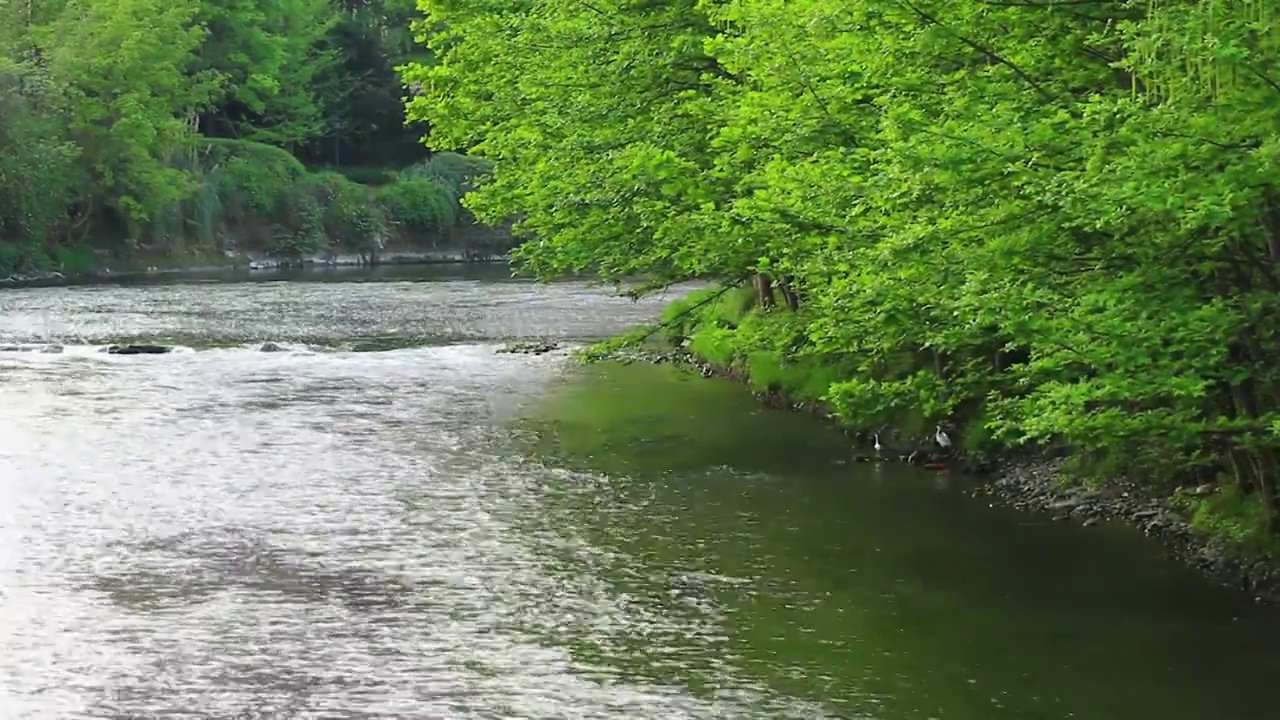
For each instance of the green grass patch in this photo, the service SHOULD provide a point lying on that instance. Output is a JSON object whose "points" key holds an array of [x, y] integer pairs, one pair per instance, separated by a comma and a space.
{"points": [[1231, 516], [807, 378], [73, 259], [715, 345], [772, 349]]}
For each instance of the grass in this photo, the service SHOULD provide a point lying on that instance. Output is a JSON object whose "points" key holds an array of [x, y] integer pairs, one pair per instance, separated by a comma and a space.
{"points": [[1231, 516]]}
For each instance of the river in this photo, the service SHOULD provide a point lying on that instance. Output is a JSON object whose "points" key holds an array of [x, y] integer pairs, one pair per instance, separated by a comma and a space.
{"points": [[391, 520]]}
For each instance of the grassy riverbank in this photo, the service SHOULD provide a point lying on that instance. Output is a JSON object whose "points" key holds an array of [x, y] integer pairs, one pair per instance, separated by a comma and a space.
{"points": [[254, 203], [1207, 521]]}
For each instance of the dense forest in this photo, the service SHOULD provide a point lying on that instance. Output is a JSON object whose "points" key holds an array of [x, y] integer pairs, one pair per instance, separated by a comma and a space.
{"points": [[1039, 222], [189, 128]]}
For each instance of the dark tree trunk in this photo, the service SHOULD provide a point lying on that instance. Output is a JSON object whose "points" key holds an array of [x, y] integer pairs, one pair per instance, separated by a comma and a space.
{"points": [[788, 295], [764, 290]]}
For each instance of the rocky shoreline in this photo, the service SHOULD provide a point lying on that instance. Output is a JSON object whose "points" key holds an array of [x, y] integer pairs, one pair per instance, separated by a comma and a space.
{"points": [[1034, 484]]}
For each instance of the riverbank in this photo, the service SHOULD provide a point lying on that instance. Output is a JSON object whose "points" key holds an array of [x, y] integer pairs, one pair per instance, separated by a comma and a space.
{"points": [[252, 261], [1207, 526], [262, 208], [1039, 485]]}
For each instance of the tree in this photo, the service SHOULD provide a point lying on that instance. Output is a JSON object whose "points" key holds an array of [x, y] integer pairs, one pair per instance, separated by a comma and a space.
{"points": [[361, 94], [1055, 221], [265, 54], [121, 65]]}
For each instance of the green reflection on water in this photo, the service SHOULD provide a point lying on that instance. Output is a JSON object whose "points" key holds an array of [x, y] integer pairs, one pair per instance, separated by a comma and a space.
{"points": [[740, 549]]}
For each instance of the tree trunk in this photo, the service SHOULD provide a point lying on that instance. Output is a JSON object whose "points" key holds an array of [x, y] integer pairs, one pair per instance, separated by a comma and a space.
{"points": [[764, 290], [788, 295], [1236, 407], [1265, 464], [1243, 472]]}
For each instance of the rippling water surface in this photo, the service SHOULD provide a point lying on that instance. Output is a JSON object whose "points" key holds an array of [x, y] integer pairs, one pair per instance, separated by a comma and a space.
{"points": [[391, 520]]}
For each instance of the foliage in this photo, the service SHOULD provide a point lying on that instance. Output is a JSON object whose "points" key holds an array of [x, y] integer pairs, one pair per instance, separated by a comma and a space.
{"points": [[1229, 515], [451, 170], [373, 175], [429, 194], [181, 128], [119, 66], [419, 202], [251, 176], [242, 182], [37, 163], [264, 55], [1055, 221], [351, 217]]}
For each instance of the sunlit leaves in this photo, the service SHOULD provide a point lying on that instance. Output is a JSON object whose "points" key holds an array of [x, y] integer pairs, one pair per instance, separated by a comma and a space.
{"points": [[1061, 218]]}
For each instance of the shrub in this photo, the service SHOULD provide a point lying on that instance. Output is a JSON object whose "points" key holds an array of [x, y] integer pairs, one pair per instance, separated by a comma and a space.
{"points": [[419, 202], [250, 177], [351, 217]]}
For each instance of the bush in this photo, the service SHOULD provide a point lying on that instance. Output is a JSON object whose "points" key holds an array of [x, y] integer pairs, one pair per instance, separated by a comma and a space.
{"points": [[1228, 515], [21, 257], [73, 259], [241, 184], [250, 177], [451, 170], [419, 202], [351, 217], [37, 164]]}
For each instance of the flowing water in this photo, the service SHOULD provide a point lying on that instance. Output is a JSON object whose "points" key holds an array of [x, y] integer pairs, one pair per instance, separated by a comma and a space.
{"points": [[391, 520]]}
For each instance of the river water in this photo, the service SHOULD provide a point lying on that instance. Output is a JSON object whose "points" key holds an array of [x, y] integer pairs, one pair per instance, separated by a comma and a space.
{"points": [[391, 520]]}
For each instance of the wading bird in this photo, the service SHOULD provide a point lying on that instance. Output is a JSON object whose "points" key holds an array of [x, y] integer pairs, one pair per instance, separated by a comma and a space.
{"points": [[943, 439]]}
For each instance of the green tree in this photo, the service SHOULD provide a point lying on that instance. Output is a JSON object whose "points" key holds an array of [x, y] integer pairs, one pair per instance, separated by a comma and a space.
{"points": [[1052, 222], [129, 102], [361, 94], [37, 166], [265, 54]]}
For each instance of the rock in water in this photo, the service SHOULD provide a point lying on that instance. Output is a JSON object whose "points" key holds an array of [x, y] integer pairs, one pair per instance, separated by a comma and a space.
{"points": [[138, 349], [530, 348], [272, 347], [51, 349]]}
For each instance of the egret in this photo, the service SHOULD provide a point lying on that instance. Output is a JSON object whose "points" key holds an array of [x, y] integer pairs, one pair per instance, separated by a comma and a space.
{"points": [[879, 447], [943, 439]]}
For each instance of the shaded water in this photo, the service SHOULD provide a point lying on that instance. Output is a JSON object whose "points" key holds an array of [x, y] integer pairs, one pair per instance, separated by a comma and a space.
{"points": [[433, 530]]}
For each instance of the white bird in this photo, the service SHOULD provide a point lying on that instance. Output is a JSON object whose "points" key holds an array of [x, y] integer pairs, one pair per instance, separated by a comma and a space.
{"points": [[943, 439], [879, 447]]}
